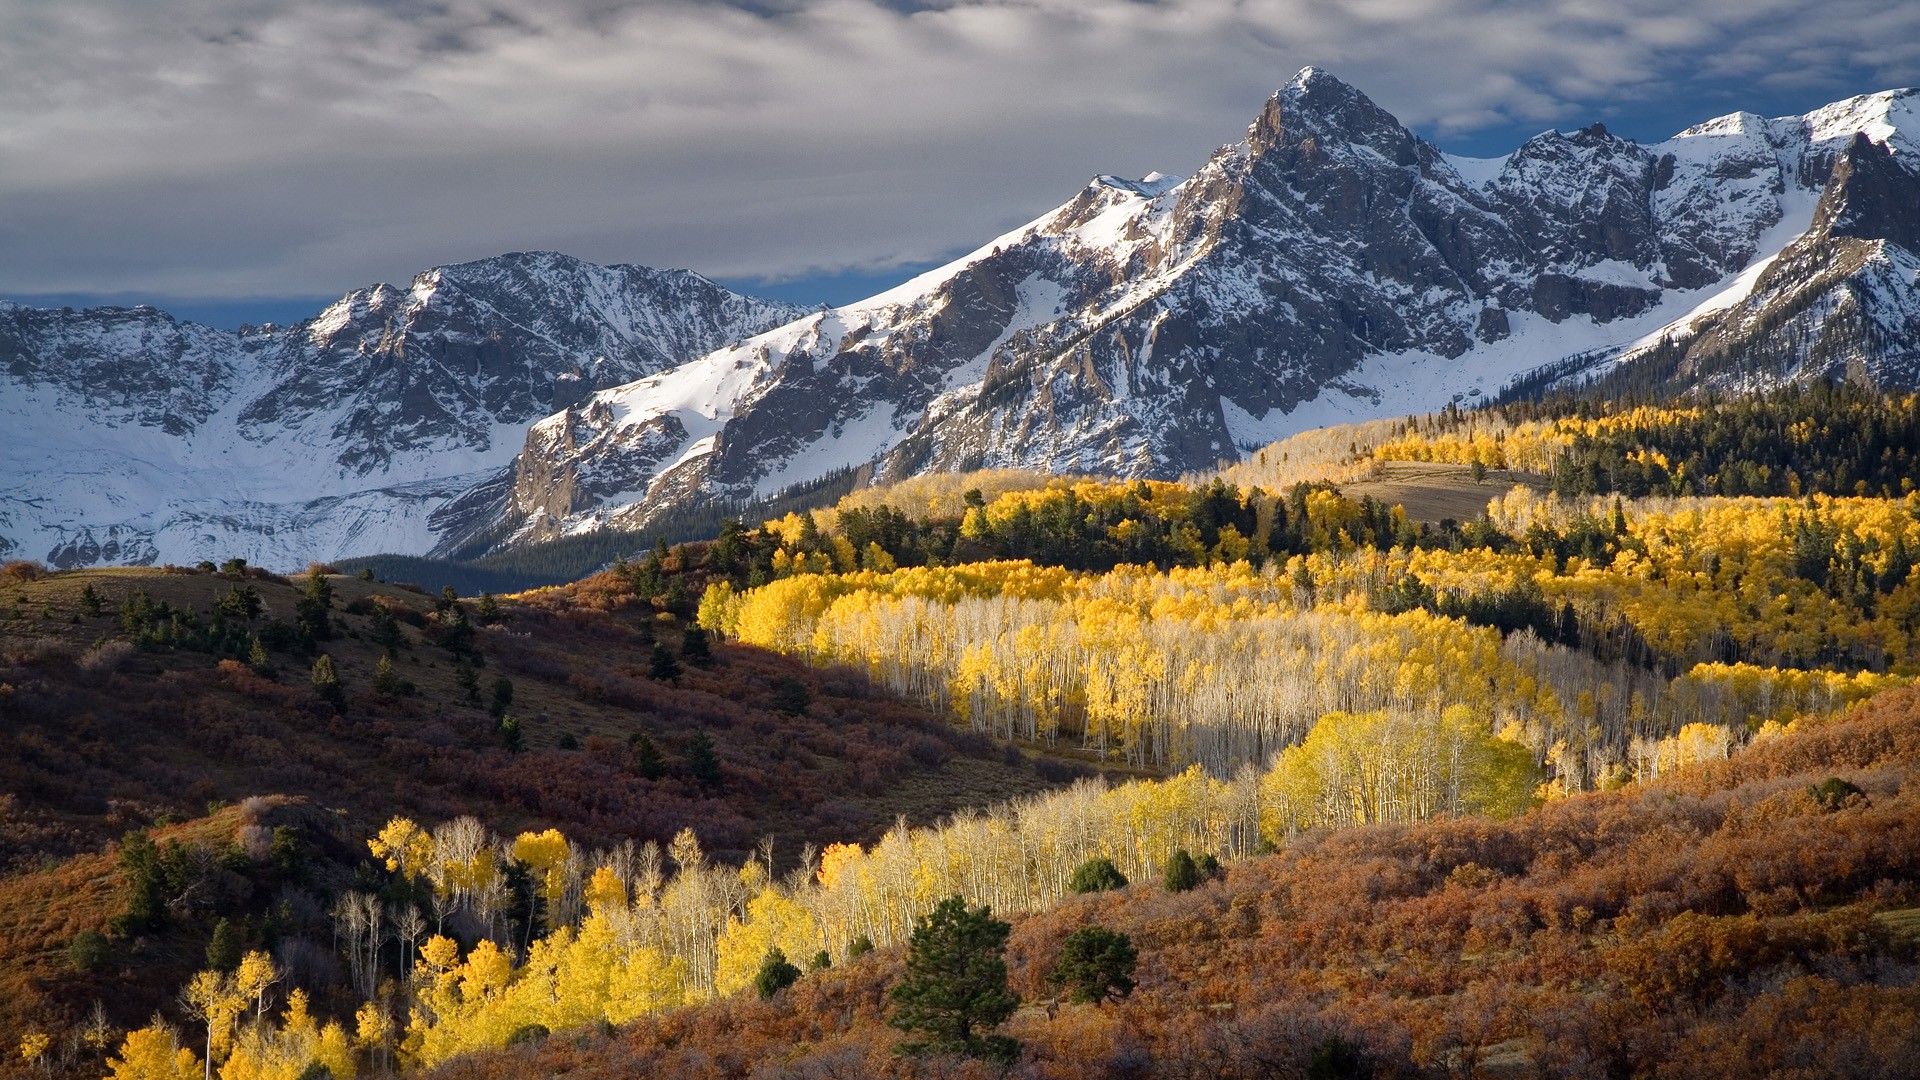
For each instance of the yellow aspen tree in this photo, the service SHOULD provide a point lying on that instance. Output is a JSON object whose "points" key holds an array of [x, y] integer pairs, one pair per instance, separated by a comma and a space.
{"points": [[153, 1053]]}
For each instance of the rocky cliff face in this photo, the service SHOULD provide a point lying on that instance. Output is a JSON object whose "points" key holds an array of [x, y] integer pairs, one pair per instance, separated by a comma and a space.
{"points": [[131, 437], [1330, 265]]}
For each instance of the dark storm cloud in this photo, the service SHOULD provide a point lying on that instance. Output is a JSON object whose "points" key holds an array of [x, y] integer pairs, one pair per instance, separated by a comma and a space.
{"points": [[261, 147]]}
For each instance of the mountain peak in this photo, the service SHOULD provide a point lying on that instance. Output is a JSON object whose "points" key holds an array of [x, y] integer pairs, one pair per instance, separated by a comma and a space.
{"points": [[1319, 106], [1870, 197]]}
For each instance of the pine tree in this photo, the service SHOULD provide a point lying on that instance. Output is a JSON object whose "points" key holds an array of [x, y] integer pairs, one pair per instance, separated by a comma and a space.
{"points": [[648, 763], [790, 696], [702, 763], [1095, 964], [1181, 873], [327, 684], [662, 665], [860, 946], [225, 947], [311, 612], [386, 629], [487, 611], [91, 601], [1096, 875], [467, 680], [510, 735], [775, 975], [502, 694], [694, 645], [387, 682], [955, 986], [258, 660]]}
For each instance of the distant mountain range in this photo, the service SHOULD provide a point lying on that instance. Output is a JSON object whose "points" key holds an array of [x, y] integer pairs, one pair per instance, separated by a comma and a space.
{"points": [[1329, 266]]}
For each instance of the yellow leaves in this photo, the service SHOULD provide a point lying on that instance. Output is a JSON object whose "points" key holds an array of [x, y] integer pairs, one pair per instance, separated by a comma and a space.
{"points": [[403, 846], [648, 982], [486, 972], [372, 1026], [335, 1052], [33, 1046], [773, 920], [440, 954], [834, 862], [152, 1053], [716, 607], [605, 891], [546, 853], [1386, 766]]}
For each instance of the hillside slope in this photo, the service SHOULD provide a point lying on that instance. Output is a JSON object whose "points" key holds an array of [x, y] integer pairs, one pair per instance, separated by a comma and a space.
{"points": [[1723, 922]]}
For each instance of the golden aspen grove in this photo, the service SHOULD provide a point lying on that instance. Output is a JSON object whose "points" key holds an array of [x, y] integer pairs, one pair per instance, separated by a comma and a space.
{"points": [[1266, 689]]}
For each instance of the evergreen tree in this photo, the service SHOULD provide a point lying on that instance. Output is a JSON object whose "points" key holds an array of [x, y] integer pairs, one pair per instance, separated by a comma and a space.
{"points": [[258, 660], [467, 680], [241, 602], [860, 946], [648, 763], [955, 987], [312, 611], [702, 763], [510, 735], [1095, 964], [694, 646], [387, 682], [487, 611], [91, 601], [1096, 875], [790, 696], [234, 566], [1181, 873], [502, 694], [327, 684], [662, 665], [821, 961], [136, 612], [223, 951], [775, 975], [386, 630]]}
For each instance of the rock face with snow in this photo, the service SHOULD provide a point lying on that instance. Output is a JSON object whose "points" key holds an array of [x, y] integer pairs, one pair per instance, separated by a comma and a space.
{"points": [[131, 437], [1330, 265]]}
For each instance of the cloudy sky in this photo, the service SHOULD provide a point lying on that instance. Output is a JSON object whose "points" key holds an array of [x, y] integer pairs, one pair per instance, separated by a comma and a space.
{"points": [[232, 158]]}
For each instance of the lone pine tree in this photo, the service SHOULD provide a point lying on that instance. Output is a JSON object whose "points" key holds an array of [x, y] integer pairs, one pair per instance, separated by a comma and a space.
{"points": [[955, 987]]}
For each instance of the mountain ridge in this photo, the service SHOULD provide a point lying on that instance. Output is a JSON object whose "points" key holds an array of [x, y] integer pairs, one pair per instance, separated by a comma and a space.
{"points": [[1328, 266], [343, 431]]}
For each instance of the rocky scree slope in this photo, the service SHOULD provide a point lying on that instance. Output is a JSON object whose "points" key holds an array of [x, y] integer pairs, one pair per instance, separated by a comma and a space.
{"points": [[1328, 266]]}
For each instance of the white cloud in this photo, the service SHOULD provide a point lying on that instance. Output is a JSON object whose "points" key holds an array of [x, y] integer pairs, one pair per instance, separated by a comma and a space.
{"points": [[200, 147]]}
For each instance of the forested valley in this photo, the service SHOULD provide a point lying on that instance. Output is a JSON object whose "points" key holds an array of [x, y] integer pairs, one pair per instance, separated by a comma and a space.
{"points": [[1274, 772]]}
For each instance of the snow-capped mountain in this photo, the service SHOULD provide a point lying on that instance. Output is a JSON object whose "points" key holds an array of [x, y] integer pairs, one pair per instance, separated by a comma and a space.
{"points": [[131, 437], [1329, 266]]}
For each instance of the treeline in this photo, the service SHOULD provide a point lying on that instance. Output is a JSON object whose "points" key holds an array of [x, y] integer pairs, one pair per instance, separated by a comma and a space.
{"points": [[1830, 439], [1227, 666]]}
